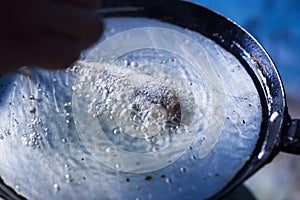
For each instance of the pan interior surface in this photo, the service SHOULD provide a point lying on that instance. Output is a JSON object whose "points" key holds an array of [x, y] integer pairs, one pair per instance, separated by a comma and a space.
{"points": [[151, 111]]}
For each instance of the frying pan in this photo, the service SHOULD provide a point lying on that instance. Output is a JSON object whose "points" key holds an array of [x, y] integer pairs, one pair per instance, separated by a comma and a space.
{"points": [[64, 157]]}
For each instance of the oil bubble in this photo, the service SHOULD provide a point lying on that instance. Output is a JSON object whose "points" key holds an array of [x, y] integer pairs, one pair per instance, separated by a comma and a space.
{"points": [[168, 180], [32, 109], [68, 178], [116, 131], [193, 157], [17, 187], [133, 64], [110, 150], [183, 169], [117, 166], [56, 187]]}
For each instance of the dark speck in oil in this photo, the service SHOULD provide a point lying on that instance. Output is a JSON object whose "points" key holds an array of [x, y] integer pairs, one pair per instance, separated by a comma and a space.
{"points": [[163, 176], [148, 178]]}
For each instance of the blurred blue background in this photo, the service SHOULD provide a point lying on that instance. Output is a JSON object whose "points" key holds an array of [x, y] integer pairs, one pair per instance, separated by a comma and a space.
{"points": [[276, 25]]}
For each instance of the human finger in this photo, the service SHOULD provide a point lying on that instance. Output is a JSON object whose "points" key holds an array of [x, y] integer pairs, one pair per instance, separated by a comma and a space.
{"points": [[71, 21], [90, 4], [58, 19], [47, 51]]}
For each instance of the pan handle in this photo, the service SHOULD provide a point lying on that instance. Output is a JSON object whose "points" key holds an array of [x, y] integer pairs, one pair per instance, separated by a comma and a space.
{"points": [[290, 142]]}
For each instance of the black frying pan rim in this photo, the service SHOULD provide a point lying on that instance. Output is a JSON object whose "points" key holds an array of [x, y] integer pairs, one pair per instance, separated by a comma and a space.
{"points": [[244, 47]]}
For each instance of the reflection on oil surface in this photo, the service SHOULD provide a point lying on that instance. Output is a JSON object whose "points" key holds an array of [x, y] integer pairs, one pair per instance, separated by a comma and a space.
{"points": [[152, 111]]}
